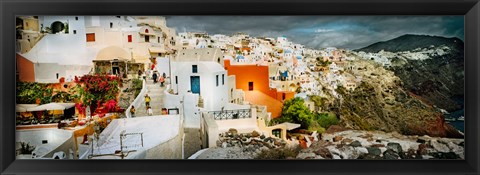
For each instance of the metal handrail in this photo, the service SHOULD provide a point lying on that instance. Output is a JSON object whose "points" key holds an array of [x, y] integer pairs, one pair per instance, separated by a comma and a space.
{"points": [[231, 114]]}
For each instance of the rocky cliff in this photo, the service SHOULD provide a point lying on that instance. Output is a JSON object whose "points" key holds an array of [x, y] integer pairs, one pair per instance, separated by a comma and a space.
{"points": [[438, 78], [381, 102], [411, 42]]}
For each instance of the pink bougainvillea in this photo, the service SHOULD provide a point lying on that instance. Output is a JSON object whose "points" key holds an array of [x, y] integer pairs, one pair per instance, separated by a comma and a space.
{"points": [[100, 92], [111, 104], [81, 108]]}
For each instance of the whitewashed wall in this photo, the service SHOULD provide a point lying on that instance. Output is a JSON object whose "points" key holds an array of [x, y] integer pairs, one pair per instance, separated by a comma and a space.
{"points": [[214, 96], [54, 137]]}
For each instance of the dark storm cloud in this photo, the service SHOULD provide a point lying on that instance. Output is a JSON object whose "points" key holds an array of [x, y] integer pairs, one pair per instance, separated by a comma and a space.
{"points": [[323, 31]]}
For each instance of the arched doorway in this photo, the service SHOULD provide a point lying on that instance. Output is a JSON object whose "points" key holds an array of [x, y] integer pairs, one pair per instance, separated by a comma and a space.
{"points": [[57, 27]]}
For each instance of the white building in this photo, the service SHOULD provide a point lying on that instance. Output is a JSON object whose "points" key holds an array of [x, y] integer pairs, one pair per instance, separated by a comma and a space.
{"points": [[74, 42], [63, 53], [207, 79], [198, 75]]}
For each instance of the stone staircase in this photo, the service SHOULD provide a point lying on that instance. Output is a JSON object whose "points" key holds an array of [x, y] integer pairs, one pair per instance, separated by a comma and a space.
{"points": [[156, 95]]}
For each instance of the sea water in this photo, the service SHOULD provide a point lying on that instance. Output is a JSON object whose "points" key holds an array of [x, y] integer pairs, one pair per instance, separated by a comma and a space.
{"points": [[460, 125]]}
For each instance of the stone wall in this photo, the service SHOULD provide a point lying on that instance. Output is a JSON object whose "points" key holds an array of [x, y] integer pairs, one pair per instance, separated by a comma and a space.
{"points": [[138, 100]]}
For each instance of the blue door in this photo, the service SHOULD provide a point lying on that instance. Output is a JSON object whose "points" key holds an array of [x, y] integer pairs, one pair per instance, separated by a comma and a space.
{"points": [[195, 84]]}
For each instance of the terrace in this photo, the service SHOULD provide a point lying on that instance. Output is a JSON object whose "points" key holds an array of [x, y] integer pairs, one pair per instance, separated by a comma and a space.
{"points": [[231, 114]]}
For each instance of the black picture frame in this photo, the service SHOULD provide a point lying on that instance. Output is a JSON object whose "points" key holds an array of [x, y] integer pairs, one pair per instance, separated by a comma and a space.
{"points": [[10, 8]]}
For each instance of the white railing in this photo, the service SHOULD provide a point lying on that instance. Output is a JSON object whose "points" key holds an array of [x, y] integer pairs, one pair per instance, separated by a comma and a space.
{"points": [[138, 100]]}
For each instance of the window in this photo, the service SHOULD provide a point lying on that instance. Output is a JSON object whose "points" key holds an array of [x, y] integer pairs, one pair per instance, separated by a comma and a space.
{"points": [[250, 86], [76, 18], [223, 79], [283, 96], [146, 30], [277, 132], [194, 69], [147, 38], [129, 38], [74, 31], [158, 40], [176, 79], [90, 37], [217, 80], [57, 75]]}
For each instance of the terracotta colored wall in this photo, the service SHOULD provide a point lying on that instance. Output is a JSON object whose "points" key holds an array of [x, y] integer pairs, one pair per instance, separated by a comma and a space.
{"points": [[288, 95], [251, 73], [274, 106], [25, 69], [259, 76]]}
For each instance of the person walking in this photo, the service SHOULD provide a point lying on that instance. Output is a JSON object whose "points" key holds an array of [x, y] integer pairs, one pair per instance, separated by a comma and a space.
{"points": [[149, 111], [154, 76], [162, 80], [147, 101], [132, 111]]}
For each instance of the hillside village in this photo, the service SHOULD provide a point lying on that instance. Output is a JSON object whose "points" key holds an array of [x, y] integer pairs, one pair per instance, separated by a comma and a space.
{"points": [[219, 92]]}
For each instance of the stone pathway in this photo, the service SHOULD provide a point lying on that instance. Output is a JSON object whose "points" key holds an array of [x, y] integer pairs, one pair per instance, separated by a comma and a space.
{"points": [[192, 141], [156, 95]]}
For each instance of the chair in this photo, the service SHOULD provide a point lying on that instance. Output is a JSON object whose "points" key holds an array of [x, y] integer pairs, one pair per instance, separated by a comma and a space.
{"points": [[59, 155]]}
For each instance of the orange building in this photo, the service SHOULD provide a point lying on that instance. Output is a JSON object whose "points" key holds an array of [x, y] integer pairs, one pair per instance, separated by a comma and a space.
{"points": [[254, 80], [25, 69]]}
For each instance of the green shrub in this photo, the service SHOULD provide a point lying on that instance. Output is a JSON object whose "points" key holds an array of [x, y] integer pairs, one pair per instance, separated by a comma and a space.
{"points": [[315, 126], [137, 86], [29, 92], [26, 148], [326, 120], [295, 111]]}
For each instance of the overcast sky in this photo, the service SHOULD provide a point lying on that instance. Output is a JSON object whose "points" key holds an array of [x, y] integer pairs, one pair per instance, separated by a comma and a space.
{"points": [[350, 32]]}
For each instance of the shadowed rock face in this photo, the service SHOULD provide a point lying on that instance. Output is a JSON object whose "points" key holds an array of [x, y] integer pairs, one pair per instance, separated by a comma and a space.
{"points": [[364, 109], [410, 42], [381, 102], [407, 100], [438, 81]]}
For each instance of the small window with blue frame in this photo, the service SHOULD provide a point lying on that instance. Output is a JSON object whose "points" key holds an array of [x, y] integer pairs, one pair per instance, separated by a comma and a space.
{"points": [[194, 69]]}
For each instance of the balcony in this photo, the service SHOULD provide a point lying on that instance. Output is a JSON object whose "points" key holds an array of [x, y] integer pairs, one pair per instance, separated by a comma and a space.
{"points": [[231, 114]]}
